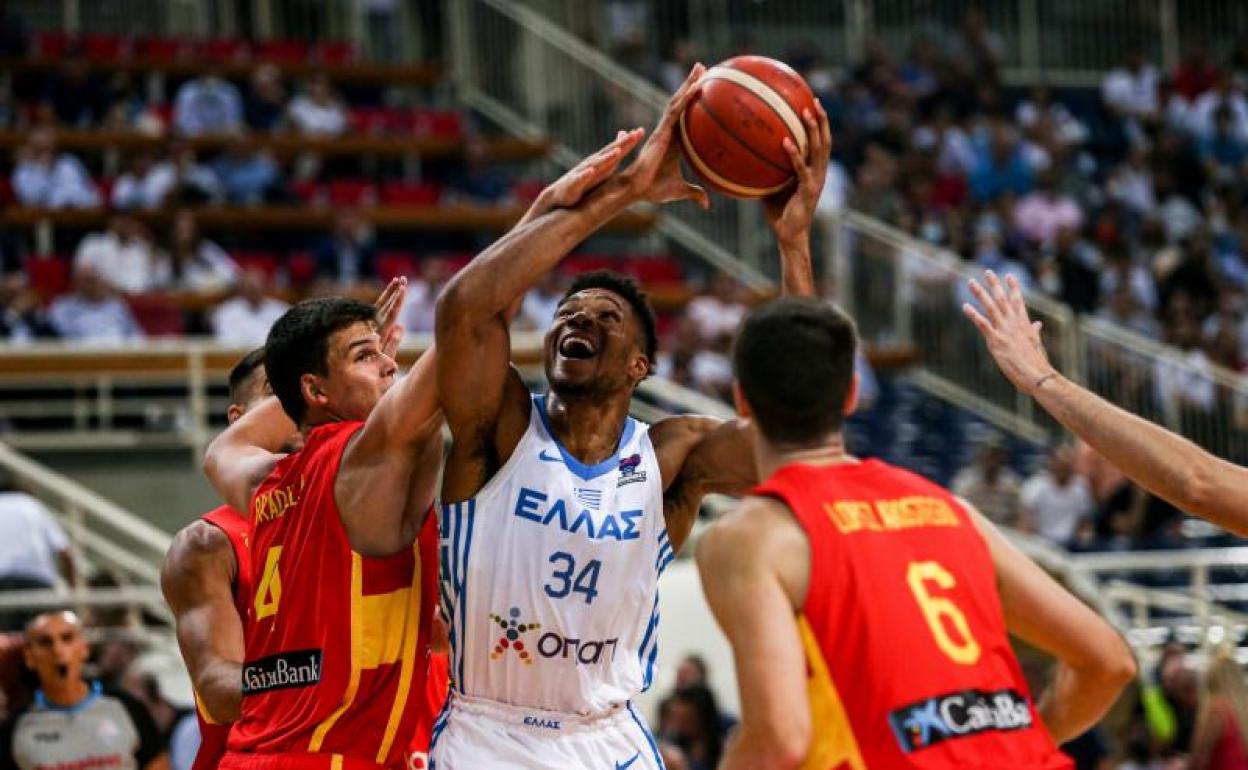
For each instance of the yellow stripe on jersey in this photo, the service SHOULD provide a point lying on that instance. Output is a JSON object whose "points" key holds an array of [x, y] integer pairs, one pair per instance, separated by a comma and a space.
{"points": [[411, 632], [833, 742], [357, 633], [202, 709], [385, 626]]}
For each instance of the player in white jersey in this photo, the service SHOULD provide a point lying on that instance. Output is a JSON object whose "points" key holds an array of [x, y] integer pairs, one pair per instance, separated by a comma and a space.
{"points": [[559, 511]]}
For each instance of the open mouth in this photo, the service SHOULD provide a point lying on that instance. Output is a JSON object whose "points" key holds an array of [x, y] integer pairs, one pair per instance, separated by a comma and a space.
{"points": [[577, 348], [62, 670]]}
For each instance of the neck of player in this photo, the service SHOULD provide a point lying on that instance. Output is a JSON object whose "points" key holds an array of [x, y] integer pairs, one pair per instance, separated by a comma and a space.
{"points": [[589, 428], [65, 692], [769, 457]]}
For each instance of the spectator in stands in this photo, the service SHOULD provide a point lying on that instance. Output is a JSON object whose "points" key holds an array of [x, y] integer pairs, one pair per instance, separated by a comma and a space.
{"points": [[1001, 166], [192, 262], [1056, 499], [1195, 276], [1184, 387], [21, 319], [208, 105], [93, 313], [248, 175], [476, 180], [422, 295], [1220, 740], [34, 550], [690, 719], [1227, 95], [265, 107], [244, 321], [123, 255], [44, 178], [1196, 73], [719, 310], [1042, 213], [74, 722], [1070, 269], [73, 95], [691, 672], [1131, 182], [1224, 153], [127, 109], [989, 485], [347, 256], [1130, 93], [1121, 306], [318, 111], [539, 306], [152, 183], [1041, 113], [978, 47]]}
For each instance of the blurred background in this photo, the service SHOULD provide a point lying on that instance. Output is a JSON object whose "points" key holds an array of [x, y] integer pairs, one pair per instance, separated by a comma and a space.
{"points": [[177, 172]]}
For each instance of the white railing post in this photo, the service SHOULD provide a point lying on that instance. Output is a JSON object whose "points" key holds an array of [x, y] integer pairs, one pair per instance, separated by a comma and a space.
{"points": [[1169, 29], [197, 386], [1200, 589]]}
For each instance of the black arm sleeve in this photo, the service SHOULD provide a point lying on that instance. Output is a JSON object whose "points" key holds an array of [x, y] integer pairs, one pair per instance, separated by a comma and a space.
{"points": [[151, 741]]}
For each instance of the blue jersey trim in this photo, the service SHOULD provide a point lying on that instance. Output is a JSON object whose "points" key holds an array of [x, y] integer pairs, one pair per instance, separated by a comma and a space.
{"points": [[463, 587], [41, 700], [645, 731], [583, 471]]}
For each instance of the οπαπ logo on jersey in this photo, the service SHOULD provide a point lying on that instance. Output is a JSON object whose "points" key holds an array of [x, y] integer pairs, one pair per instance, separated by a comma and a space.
{"points": [[957, 715], [628, 470], [510, 640]]}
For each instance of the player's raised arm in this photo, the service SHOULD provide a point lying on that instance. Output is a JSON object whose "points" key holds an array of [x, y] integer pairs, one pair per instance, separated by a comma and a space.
{"points": [[197, 585], [1165, 464], [791, 212], [1094, 663], [738, 559], [242, 455]]}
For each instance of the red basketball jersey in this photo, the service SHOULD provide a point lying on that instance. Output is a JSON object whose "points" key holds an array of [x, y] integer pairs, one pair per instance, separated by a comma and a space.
{"points": [[909, 664], [212, 735], [335, 647]]}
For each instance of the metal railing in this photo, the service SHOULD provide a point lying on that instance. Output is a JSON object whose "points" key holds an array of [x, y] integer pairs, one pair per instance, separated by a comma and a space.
{"points": [[905, 291]]}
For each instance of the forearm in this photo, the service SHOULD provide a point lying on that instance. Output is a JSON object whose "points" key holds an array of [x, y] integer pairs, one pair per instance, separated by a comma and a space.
{"points": [[493, 281], [797, 277], [1076, 701], [219, 687], [747, 750], [1162, 462], [266, 427]]}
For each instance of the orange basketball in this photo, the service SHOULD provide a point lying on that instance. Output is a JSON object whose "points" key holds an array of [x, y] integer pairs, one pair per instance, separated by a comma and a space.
{"points": [[732, 131]]}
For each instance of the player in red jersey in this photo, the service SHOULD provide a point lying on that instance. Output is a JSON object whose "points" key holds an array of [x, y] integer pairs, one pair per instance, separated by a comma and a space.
{"points": [[337, 641], [206, 580], [868, 608]]}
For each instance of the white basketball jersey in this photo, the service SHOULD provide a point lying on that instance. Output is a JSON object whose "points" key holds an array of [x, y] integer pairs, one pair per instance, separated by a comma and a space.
{"points": [[550, 575]]}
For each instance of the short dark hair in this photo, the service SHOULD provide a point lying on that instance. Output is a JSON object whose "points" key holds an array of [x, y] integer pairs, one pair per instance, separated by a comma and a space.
{"points": [[794, 361], [242, 372], [298, 344], [631, 293]]}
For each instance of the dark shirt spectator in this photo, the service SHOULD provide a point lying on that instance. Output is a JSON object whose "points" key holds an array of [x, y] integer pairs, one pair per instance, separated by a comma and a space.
{"points": [[72, 95], [346, 256], [265, 106]]}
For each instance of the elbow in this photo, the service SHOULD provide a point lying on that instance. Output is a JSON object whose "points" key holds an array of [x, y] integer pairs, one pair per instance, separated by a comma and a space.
{"points": [[784, 743], [1197, 492], [1123, 668], [452, 303]]}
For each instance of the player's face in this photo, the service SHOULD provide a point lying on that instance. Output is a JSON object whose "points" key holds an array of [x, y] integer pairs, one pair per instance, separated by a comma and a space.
{"points": [[56, 648], [359, 373], [593, 345]]}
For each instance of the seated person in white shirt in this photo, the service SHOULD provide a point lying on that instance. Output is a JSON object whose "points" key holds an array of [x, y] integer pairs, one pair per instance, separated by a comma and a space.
{"points": [[193, 263], [44, 178], [318, 111], [123, 255], [93, 313], [244, 321]]}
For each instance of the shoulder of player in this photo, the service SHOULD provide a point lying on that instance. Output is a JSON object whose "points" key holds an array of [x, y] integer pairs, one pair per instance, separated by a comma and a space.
{"points": [[675, 438], [758, 529], [198, 550]]}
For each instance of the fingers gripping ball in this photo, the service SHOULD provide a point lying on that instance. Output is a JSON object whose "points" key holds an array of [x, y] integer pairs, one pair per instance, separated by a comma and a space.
{"points": [[510, 639], [732, 132]]}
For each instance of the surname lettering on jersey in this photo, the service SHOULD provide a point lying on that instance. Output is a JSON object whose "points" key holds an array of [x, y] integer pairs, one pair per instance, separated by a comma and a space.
{"points": [[852, 516], [535, 506], [273, 504]]}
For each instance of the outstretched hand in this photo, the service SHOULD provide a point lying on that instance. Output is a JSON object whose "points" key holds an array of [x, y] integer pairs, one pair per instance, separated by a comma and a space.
{"points": [[1013, 338], [568, 190], [655, 176], [791, 211], [388, 306]]}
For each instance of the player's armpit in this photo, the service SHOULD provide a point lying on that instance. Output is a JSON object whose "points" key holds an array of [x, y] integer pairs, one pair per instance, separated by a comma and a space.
{"points": [[197, 579], [1095, 662], [737, 560], [700, 456]]}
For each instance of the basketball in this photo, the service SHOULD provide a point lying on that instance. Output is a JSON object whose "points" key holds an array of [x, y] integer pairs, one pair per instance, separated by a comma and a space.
{"points": [[732, 132]]}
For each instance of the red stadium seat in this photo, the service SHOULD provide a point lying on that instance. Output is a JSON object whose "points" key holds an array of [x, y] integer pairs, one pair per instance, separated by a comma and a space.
{"points": [[410, 193], [376, 120], [301, 268], [101, 47], [442, 123], [224, 50], [48, 275], [51, 45], [6, 191], [584, 263], [306, 190], [158, 314], [336, 52], [282, 51], [352, 192], [264, 261], [657, 269], [391, 264], [166, 49]]}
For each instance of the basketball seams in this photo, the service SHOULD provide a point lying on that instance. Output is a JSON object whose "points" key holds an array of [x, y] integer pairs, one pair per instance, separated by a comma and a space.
{"points": [[729, 132], [707, 173], [768, 96]]}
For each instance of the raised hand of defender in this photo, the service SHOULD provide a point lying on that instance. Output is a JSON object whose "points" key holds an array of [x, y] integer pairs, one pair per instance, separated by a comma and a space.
{"points": [[655, 176], [568, 190], [790, 212], [1013, 339], [388, 306]]}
